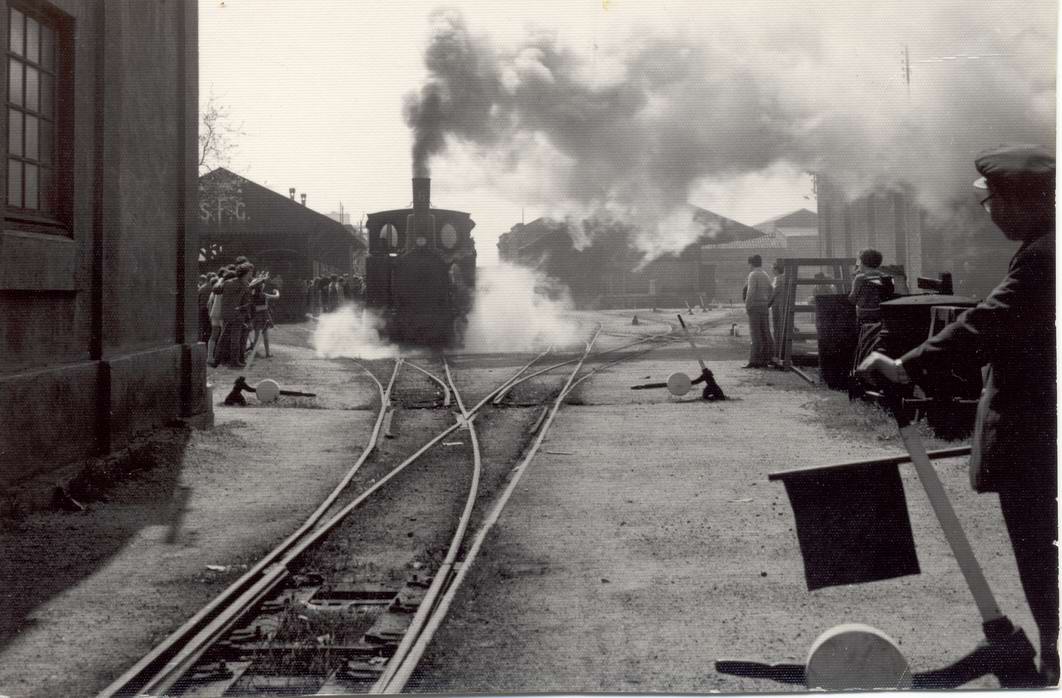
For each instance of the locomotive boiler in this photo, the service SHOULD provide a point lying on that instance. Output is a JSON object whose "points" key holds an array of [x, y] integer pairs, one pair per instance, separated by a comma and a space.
{"points": [[420, 274]]}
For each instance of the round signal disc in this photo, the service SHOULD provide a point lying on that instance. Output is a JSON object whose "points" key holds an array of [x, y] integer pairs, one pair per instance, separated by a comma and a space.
{"points": [[678, 384]]}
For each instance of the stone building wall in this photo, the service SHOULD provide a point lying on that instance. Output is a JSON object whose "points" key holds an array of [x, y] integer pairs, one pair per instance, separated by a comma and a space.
{"points": [[97, 299]]}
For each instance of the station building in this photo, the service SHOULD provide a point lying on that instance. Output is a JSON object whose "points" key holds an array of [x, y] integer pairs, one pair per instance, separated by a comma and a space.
{"points": [[277, 233], [98, 251]]}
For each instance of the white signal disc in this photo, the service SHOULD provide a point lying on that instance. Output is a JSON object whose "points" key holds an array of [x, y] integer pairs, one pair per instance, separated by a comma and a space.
{"points": [[678, 384], [267, 390], [854, 656]]}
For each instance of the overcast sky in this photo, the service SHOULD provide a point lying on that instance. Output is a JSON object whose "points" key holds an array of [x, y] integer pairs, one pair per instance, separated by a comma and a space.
{"points": [[318, 87]]}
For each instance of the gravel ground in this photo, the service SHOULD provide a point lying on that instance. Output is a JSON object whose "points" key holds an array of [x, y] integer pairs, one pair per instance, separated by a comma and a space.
{"points": [[658, 545]]}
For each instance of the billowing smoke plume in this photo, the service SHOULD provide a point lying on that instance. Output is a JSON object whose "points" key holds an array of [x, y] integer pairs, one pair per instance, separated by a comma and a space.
{"points": [[632, 129]]}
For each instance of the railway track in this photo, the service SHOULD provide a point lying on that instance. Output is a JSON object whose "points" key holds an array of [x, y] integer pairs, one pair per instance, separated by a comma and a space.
{"points": [[178, 648], [603, 359], [400, 668], [165, 669], [215, 650]]}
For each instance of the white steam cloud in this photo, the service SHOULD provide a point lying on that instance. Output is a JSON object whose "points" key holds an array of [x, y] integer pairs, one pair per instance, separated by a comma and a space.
{"points": [[634, 128], [518, 309], [515, 309], [352, 332]]}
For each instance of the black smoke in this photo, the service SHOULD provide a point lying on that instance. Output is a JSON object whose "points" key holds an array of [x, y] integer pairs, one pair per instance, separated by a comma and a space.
{"points": [[629, 130]]}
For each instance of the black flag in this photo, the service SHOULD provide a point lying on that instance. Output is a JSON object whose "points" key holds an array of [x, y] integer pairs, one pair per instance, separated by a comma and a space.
{"points": [[852, 524]]}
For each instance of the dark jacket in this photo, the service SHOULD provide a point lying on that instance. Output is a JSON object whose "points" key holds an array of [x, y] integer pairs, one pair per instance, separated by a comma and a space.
{"points": [[233, 295], [1013, 332], [203, 295], [869, 288]]}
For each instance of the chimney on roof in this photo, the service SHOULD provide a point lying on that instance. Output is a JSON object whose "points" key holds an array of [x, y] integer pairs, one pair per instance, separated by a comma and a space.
{"points": [[291, 193], [303, 198]]}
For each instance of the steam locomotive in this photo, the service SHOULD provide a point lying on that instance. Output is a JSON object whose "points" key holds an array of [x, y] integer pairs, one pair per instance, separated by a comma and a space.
{"points": [[420, 274]]}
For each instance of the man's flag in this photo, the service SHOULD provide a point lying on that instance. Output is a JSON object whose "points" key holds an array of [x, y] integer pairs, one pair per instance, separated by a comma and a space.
{"points": [[852, 524]]}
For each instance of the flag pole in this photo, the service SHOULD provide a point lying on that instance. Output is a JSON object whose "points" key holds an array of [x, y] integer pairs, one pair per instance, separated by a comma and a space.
{"points": [[1013, 655], [953, 531], [689, 338]]}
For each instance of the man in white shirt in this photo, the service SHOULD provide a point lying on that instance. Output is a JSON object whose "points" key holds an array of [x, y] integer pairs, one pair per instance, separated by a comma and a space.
{"points": [[758, 292]]}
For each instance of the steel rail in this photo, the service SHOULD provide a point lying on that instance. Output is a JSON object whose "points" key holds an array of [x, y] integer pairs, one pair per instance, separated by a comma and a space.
{"points": [[402, 674], [184, 647], [141, 676], [501, 396], [229, 616], [603, 366], [445, 570], [498, 399], [442, 383], [590, 374]]}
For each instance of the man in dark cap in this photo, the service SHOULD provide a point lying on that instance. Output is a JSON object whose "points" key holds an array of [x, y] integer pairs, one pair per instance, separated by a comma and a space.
{"points": [[1013, 332]]}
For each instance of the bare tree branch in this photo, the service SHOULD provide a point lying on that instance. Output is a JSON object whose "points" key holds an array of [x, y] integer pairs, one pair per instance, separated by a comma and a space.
{"points": [[217, 136]]}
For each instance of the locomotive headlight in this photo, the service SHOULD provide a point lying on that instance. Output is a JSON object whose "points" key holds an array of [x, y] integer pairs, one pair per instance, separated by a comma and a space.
{"points": [[421, 241]]}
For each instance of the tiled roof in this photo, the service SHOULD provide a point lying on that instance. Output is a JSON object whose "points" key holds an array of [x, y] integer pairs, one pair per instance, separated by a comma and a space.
{"points": [[762, 242], [801, 218]]}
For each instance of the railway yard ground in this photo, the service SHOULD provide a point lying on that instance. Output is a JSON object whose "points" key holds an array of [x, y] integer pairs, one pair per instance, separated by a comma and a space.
{"points": [[641, 542]]}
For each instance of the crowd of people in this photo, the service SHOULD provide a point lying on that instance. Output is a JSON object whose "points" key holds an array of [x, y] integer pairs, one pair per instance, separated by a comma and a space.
{"points": [[326, 294], [235, 307], [234, 312]]}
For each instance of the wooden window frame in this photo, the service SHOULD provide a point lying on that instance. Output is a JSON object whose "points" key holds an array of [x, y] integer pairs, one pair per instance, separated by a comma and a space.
{"points": [[60, 222]]}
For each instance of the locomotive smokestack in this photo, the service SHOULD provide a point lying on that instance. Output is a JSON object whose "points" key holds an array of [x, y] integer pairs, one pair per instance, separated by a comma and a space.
{"points": [[421, 193]]}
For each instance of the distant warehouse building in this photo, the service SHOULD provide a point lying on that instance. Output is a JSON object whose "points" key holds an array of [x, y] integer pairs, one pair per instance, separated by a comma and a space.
{"points": [[278, 234], [792, 235], [98, 320]]}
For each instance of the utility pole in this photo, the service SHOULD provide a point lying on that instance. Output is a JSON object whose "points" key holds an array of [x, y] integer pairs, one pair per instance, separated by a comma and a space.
{"points": [[907, 69]]}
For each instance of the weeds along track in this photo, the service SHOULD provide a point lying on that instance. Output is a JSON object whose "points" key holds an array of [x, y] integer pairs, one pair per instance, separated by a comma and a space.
{"points": [[308, 608]]}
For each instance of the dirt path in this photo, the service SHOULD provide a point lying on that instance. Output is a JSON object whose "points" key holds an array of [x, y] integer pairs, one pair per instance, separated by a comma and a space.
{"points": [[658, 546]]}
